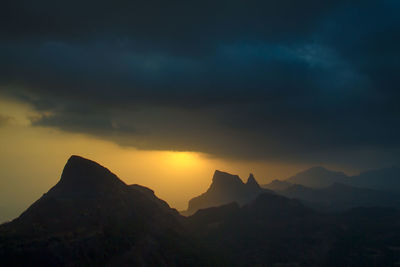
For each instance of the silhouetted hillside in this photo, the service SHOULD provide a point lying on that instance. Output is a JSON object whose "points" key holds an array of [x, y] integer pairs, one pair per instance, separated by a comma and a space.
{"points": [[225, 188], [90, 217], [275, 231], [268, 231]]}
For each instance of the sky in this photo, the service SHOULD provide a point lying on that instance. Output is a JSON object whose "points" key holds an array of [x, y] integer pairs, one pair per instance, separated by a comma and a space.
{"points": [[33, 158], [164, 92]]}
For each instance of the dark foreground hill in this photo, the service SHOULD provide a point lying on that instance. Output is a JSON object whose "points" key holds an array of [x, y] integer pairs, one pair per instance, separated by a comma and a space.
{"points": [[91, 218], [276, 231]]}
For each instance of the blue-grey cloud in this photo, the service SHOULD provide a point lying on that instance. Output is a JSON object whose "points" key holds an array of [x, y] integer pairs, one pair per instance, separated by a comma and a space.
{"points": [[284, 80]]}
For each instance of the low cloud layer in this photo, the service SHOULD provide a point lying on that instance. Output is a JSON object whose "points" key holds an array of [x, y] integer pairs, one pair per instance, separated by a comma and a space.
{"points": [[295, 81]]}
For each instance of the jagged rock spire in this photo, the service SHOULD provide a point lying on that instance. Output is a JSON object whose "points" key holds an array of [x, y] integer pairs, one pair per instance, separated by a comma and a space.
{"points": [[251, 181]]}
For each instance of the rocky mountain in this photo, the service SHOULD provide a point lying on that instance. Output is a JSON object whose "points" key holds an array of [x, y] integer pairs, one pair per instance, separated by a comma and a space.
{"points": [[91, 217], [225, 188]]}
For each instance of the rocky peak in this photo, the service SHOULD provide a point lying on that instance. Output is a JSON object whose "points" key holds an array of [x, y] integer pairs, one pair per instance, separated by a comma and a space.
{"points": [[251, 181], [224, 180], [83, 175]]}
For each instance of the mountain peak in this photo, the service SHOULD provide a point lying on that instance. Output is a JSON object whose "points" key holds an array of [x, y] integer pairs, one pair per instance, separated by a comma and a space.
{"points": [[251, 181], [318, 177], [322, 170], [277, 185], [317, 169], [76, 161], [224, 179], [225, 188], [83, 175]]}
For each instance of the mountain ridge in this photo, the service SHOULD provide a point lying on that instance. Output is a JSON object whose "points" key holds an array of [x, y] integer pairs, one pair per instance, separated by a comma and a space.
{"points": [[385, 179], [92, 217], [95, 219], [225, 188], [317, 177]]}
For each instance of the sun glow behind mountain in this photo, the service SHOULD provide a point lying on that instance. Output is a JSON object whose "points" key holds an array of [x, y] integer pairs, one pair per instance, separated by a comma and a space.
{"points": [[33, 156], [183, 160]]}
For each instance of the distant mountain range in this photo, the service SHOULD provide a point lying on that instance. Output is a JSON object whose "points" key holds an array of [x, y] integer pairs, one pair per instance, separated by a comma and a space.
{"points": [[318, 177], [316, 187], [92, 218], [387, 179], [339, 197], [332, 191]]}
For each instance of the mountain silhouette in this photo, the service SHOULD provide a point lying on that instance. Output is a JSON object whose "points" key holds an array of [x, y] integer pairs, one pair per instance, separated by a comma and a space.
{"points": [[386, 179], [83, 178], [91, 217], [339, 196], [328, 190], [318, 177], [87, 189], [225, 188], [252, 183], [277, 185], [272, 230]]}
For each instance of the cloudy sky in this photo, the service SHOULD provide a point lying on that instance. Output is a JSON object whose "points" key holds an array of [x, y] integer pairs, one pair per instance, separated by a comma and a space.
{"points": [[290, 83]]}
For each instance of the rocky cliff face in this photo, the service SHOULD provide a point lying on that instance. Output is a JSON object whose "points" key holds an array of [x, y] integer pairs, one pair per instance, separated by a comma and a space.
{"points": [[226, 188]]}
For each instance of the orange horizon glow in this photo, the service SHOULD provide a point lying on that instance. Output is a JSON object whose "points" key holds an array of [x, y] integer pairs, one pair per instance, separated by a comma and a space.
{"points": [[33, 158]]}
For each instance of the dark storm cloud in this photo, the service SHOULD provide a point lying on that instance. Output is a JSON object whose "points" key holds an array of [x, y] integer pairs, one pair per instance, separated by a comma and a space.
{"points": [[284, 80]]}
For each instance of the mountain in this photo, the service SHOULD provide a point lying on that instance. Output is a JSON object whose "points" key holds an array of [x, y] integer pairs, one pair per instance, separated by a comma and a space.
{"points": [[225, 188], [273, 230], [318, 177], [387, 179], [8, 211], [341, 197], [91, 217], [252, 183], [277, 185]]}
